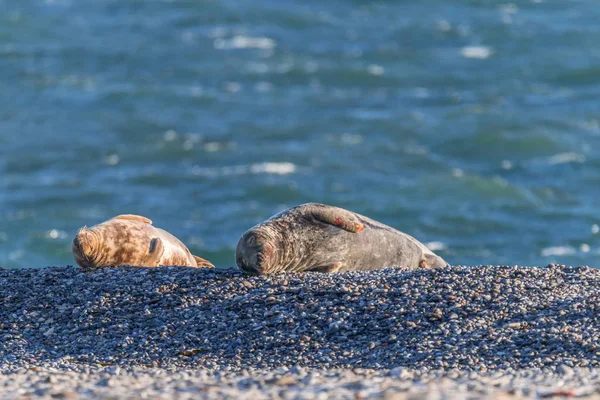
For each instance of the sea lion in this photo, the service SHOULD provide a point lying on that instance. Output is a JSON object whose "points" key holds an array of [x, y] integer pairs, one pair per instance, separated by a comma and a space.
{"points": [[322, 238], [131, 240]]}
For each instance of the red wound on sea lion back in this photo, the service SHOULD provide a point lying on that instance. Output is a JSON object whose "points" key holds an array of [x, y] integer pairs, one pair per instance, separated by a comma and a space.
{"points": [[339, 217]]}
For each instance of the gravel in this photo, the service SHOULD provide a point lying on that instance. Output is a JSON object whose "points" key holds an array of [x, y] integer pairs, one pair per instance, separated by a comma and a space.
{"points": [[296, 383], [393, 332]]}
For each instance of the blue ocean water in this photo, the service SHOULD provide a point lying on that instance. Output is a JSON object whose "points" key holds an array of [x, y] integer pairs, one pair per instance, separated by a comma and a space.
{"points": [[472, 125]]}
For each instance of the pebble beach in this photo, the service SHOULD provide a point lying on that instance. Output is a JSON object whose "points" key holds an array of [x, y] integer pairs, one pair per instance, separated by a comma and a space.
{"points": [[473, 126], [179, 332]]}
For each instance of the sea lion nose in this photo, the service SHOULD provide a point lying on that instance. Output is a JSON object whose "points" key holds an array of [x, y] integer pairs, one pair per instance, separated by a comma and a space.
{"points": [[78, 247], [83, 243], [250, 256], [245, 265], [250, 269]]}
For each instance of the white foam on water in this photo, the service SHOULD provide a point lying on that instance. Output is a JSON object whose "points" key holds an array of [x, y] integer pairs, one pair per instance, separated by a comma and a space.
{"points": [[478, 52], [565, 158], [558, 251], [244, 42], [506, 164], [375, 69], [268, 168], [112, 159], [416, 149], [191, 140], [212, 147], [444, 26], [458, 173], [509, 8], [276, 168], [56, 234], [436, 246], [170, 135]]}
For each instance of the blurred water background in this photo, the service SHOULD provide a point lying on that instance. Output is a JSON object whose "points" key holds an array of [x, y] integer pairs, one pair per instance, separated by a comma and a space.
{"points": [[472, 125]]}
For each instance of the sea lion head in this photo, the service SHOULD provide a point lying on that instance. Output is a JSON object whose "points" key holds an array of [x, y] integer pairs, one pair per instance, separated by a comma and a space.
{"points": [[85, 246], [259, 251]]}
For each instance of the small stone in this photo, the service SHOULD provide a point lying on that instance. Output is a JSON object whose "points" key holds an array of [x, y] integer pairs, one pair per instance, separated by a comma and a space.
{"points": [[65, 395], [247, 284], [437, 314], [565, 370], [286, 380]]}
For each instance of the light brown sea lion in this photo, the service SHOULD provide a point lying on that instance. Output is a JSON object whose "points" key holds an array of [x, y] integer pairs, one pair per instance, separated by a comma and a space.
{"points": [[318, 237], [131, 240]]}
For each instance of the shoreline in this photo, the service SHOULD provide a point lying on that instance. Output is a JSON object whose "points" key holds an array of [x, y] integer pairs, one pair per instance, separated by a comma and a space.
{"points": [[452, 329]]}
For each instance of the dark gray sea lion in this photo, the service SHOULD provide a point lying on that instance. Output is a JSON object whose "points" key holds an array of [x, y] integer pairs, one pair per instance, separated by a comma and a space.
{"points": [[131, 240], [318, 237]]}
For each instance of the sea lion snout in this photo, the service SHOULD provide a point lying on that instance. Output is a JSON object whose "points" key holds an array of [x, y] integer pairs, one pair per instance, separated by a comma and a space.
{"points": [[83, 247], [76, 244], [253, 253]]}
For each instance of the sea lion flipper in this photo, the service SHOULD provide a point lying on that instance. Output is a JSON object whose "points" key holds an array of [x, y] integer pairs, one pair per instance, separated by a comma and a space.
{"points": [[327, 268], [431, 261], [155, 251], [202, 263], [339, 217], [133, 217]]}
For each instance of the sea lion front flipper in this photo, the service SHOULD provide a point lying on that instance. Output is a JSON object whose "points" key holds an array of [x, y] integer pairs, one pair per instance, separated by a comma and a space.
{"points": [[335, 216], [155, 251], [133, 217], [326, 268], [202, 263], [431, 261]]}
